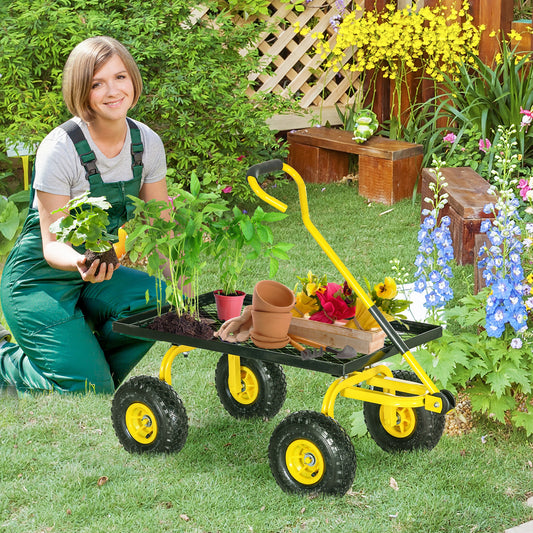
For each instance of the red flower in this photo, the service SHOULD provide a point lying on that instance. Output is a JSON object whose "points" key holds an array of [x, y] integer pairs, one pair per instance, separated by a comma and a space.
{"points": [[333, 304]]}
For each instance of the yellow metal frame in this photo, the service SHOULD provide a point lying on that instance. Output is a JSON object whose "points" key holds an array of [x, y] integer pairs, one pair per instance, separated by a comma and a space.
{"points": [[380, 376], [424, 394], [234, 369]]}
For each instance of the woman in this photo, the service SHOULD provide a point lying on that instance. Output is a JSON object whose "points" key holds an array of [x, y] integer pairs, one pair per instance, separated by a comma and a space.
{"points": [[59, 311]]}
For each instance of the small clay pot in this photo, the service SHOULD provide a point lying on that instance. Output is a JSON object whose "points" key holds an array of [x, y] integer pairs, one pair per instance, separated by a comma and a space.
{"points": [[272, 296], [270, 345], [272, 325]]}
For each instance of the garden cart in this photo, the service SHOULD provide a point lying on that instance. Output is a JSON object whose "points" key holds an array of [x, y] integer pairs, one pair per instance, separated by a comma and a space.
{"points": [[309, 451]]}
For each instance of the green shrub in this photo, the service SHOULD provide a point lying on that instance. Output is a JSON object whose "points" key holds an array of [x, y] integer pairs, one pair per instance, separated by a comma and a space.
{"points": [[481, 97], [195, 78]]}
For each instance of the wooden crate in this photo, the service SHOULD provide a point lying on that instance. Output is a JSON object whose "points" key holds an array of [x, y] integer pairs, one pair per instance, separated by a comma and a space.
{"points": [[337, 336]]}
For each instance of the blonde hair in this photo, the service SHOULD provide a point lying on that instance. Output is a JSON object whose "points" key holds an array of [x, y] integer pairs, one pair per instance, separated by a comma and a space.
{"points": [[83, 62]]}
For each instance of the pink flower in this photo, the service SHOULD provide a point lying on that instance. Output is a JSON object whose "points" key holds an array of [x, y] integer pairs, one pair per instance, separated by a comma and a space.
{"points": [[484, 145], [334, 307], [240, 158], [227, 189], [523, 185], [527, 118], [450, 138]]}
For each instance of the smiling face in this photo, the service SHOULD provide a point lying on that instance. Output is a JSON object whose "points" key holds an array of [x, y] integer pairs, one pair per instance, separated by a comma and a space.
{"points": [[112, 91]]}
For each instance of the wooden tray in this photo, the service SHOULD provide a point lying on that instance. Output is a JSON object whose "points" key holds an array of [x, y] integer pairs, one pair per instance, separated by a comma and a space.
{"points": [[337, 336]]}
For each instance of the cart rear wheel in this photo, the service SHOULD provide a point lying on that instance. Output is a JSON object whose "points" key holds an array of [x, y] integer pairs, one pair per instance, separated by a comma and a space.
{"points": [[149, 416], [310, 452], [263, 388], [413, 428]]}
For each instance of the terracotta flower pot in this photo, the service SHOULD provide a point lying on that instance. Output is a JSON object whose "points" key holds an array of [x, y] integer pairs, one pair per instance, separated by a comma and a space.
{"points": [[271, 326], [270, 345], [272, 296], [228, 306]]}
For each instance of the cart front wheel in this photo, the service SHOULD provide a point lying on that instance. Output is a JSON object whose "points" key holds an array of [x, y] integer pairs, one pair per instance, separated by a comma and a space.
{"points": [[411, 428], [149, 416], [263, 388], [310, 452]]}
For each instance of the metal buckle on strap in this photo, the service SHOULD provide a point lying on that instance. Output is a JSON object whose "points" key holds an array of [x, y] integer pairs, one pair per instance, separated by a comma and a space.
{"points": [[137, 154], [89, 162]]}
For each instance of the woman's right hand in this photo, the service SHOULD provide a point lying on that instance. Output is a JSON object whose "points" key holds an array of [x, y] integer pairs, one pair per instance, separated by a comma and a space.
{"points": [[90, 274]]}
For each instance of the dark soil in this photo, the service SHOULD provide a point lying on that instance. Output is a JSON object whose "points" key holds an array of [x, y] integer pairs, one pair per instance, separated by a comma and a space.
{"points": [[184, 325], [109, 257]]}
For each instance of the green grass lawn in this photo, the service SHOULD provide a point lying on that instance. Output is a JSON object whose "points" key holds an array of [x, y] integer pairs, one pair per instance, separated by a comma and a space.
{"points": [[62, 468]]}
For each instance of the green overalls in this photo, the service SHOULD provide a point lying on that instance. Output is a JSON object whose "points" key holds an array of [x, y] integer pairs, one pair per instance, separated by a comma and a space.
{"points": [[49, 310]]}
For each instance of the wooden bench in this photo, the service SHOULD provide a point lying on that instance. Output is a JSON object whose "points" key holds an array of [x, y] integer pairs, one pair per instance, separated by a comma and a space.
{"points": [[388, 169], [467, 197]]}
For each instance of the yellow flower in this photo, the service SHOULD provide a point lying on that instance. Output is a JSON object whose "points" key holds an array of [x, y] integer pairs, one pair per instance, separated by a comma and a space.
{"points": [[304, 305], [386, 290], [312, 288]]}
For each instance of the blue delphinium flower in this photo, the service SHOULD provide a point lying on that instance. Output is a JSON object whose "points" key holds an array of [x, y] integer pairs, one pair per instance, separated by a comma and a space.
{"points": [[501, 261], [435, 251]]}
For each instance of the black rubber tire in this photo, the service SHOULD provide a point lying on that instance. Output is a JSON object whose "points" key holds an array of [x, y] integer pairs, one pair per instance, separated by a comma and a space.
{"points": [[314, 445], [427, 430], [149, 403], [270, 394]]}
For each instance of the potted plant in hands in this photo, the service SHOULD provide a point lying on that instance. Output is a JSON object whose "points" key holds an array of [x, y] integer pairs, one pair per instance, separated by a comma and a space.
{"points": [[239, 239], [85, 224]]}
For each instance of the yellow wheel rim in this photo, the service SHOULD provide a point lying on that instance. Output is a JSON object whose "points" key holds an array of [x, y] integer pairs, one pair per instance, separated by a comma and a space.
{"points": [[249, 387], [141, 423], [305, 462], [405, 422]]}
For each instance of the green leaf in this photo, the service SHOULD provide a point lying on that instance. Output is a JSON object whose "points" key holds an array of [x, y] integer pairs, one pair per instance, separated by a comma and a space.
{"points": [[9, 220], [523, 420], [247, 228]]}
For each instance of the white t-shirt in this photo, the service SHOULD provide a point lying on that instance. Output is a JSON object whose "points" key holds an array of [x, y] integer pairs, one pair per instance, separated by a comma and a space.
{"points": [[58, 169]]}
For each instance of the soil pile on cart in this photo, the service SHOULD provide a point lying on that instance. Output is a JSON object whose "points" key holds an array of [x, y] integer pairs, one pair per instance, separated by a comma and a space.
{"points": [[184, 325]]}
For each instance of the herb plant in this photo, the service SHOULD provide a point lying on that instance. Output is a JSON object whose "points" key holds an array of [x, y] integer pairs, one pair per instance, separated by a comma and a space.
{"points": [[174, 235], [84, 223], [241, 238]]}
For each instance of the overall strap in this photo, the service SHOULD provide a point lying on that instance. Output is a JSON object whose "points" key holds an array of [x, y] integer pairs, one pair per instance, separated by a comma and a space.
{"points": [[136, 149], [87, 157]]}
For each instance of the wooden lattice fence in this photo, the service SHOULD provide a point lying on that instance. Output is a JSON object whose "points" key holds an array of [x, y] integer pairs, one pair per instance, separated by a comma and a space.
{"points": [[297, 72]]}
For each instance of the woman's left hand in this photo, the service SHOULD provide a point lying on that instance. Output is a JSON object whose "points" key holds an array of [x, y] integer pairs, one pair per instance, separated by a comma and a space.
{"points": [[93, 274]]}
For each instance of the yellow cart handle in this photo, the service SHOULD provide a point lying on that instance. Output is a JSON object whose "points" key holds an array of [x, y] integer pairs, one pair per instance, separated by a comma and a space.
{"points": [[276, 165]]}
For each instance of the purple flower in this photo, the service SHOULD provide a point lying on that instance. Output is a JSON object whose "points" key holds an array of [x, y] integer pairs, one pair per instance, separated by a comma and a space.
{"points": [[516, 343]]}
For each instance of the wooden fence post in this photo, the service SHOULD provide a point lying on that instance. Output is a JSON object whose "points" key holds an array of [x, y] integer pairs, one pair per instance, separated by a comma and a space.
{"points": [[379, 94], [496, 15]]}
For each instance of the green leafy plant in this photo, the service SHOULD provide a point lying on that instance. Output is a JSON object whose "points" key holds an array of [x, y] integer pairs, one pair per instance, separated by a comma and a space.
{"points": [[175, 235], [84, 223], [243, 238], [12, 217], [497, 375], [481, 98]]}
